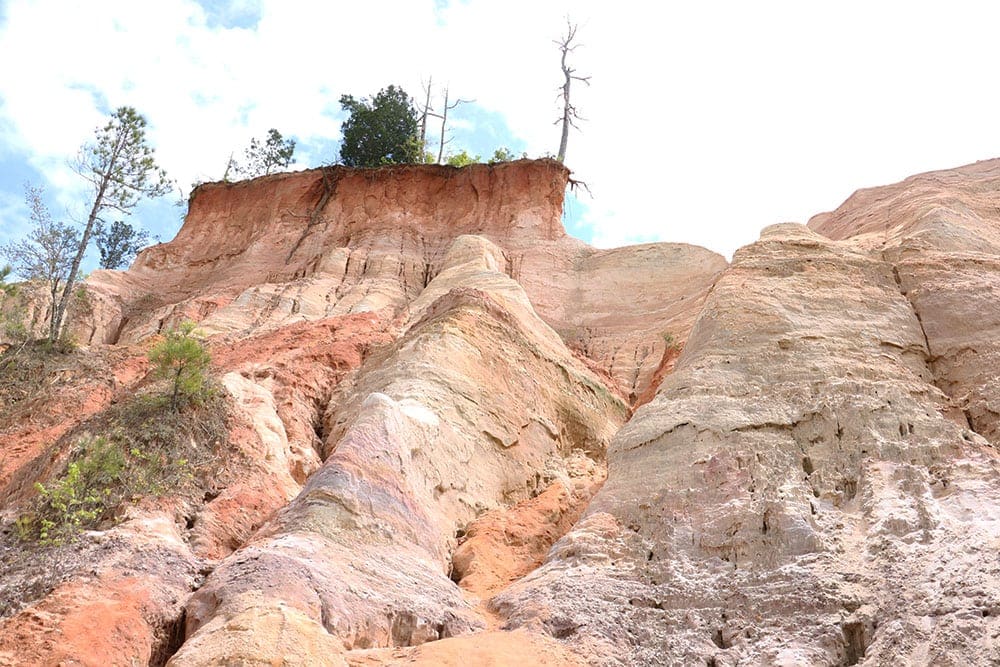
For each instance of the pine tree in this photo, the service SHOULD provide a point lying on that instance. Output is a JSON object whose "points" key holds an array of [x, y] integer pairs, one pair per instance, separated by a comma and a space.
{"points": [[120, 166]]}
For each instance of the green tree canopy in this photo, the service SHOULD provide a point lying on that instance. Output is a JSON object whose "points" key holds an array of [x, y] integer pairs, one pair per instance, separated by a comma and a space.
{"points": [[119, 164], [381, 131], [119, 243]]}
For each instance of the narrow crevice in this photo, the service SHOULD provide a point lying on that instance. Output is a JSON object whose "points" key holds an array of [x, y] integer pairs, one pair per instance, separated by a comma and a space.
{"points": [[169, 640], [319, 430], [916, 313], [119, 330], [929, 358], [856, 641], [428, 274]]}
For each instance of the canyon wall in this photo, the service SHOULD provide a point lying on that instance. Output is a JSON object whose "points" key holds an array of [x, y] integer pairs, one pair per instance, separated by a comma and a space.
{"points": [[457, 434]]}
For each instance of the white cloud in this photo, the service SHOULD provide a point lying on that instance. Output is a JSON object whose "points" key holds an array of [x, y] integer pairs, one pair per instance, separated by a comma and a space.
{"points": [[705, 121]]}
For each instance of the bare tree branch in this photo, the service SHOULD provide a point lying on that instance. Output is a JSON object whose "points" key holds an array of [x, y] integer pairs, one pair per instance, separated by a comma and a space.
{"points": [[569, 115], [444, 121], [425, 111]]}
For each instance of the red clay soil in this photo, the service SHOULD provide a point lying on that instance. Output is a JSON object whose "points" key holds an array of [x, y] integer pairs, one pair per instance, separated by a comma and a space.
{"points": [[98, 623], [666, 366], [84, 386], [505, 545]]}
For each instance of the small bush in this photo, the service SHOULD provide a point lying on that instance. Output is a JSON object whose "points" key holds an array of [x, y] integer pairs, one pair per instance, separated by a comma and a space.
{"points": [[504, 154], [182, 359], [143, 447], [80, 497], [462, 159], [146, 450]]}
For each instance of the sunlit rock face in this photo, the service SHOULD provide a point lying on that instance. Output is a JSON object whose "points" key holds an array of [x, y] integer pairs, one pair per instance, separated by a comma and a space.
{"points": [[459, 436]]}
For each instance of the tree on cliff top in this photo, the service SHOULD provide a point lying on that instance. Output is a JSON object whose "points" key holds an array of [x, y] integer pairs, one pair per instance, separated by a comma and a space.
{"points": [[381, 131], [120, 167], [569, 113], [264, 157]]}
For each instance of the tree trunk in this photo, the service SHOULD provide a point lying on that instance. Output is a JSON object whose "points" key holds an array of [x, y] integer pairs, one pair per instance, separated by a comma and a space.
{"points": [[423, 120], [444, 123], [59, 311], [569, 111], [177, 384], [566, 119], [54, 293]]}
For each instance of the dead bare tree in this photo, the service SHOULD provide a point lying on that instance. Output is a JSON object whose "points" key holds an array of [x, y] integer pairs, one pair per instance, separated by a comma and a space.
{"points": [[569, 115], [444, 121], [425, 111]]}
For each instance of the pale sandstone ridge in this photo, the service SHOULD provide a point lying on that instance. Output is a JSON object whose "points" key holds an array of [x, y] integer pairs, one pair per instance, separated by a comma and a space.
{"points": [[477, 407], [940, 232], [794, 471], [801, 491]]}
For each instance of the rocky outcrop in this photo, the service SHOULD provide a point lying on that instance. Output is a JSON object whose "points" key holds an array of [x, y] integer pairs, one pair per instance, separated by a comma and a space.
{"points": [[364, 553], [801, 490], [940, 233], [459, 436], [261, 254]]}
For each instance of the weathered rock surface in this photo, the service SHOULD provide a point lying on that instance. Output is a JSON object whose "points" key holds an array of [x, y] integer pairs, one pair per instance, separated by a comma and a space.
{"points": [[321, 243], [799, 491], [479, 405], [430, 461], [941, 234]]}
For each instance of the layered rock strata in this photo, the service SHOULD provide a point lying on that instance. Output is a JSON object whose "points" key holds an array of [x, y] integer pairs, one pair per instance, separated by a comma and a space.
{"points": [[321, 243], [429, 383], [478, 406], [801, 490]]}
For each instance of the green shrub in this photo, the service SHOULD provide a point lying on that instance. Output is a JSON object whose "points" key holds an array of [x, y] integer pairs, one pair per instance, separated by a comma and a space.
{"points": [[182, 359], [146, 450], [80, 497], [462, 159], [145, 446], [504, 154]]}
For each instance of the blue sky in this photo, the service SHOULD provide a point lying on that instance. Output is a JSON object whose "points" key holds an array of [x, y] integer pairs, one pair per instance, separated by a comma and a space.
{"points": [[201, 26], [704, 122]]}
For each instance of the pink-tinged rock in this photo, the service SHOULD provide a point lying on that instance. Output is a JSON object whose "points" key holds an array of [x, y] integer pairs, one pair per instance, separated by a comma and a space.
{"points": [[798, 492]]}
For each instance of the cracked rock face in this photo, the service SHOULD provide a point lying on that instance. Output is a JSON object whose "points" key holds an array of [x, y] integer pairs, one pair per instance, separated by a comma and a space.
{"points": [[461, 437], [363, 553], [801, 490]]}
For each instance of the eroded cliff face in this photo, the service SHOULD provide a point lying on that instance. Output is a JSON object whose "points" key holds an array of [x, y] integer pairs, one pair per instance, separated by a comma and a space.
{"points": [[433, 456], [281, 249]]}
